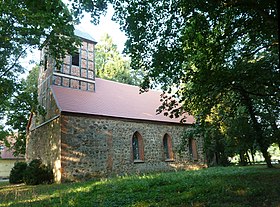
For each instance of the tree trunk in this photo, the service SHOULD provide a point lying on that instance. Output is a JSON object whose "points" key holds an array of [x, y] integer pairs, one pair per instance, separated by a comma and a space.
{"points": [[248, 157], [243, 161], [253, 156], [277, 7], [266, 156], [259, 133]]}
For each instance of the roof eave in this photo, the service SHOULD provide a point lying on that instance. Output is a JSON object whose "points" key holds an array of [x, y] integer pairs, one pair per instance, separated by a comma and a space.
{"points": [[124, 118]]}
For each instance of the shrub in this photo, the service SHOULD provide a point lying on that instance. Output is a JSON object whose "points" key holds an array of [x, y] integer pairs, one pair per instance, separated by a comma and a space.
{"points": [[17, 173], [38, 173]]}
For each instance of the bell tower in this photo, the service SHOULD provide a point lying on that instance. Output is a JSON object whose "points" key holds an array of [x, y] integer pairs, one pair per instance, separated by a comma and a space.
{"points": [[77, 71]]}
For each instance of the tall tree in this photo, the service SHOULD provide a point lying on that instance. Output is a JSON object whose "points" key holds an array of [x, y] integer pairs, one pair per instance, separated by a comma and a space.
{"points": [[25, 25], [31, 24], [209, 50], [21, 104], [111, 65]]}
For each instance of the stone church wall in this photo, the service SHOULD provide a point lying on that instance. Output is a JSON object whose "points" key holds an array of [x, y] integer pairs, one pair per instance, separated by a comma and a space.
{"points": [[43, 142], [100, 147]]}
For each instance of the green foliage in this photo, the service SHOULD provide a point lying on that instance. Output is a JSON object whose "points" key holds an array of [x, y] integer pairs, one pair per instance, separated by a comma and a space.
{"points": [[33, 173], [17, 173], [6, 90], [111, 65], [26, 25], [217, 186], [216, 146], [38, 173], [3, 135], [19, 107], [31, 24], [217, 54]]}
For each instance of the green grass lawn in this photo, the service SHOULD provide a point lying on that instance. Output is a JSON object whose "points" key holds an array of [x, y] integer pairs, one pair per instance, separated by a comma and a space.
{"points": [[231, 186]]}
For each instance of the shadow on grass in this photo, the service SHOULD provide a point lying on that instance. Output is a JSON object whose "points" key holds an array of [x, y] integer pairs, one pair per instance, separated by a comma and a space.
{"points": [[233, 186]]}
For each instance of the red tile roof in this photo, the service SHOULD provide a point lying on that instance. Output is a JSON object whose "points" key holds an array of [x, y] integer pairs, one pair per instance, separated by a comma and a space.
{"points": [[7, 154], [115, 100]]}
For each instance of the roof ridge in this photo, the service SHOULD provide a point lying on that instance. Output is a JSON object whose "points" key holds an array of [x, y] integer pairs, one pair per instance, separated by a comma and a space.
{"points": [[84, 35], [126, 84]]}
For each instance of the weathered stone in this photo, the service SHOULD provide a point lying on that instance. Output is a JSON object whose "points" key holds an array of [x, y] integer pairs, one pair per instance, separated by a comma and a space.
{"points": [[102, 147], [108, 146], [44, 143]]}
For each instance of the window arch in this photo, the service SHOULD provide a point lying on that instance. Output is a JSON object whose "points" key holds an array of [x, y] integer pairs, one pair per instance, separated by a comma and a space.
{"points": [[137, 147], [193, 149], [167, 148]]}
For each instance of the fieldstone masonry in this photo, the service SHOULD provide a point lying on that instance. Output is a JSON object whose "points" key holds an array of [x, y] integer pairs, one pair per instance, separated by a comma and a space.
{"points": [[83, 147], [44, 143], [102, 147]]}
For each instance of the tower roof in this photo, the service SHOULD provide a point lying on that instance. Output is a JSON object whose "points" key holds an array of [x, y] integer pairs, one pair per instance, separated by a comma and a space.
{"points": [[84, 35]]}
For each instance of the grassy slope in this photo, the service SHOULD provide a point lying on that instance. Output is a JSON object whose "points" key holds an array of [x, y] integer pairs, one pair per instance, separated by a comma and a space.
{"points": [[232, 186]]}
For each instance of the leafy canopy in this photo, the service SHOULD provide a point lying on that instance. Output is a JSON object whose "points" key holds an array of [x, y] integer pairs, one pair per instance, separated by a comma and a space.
{"points": [[111, 65], [21, 104], [218, 54], [26, 25]]}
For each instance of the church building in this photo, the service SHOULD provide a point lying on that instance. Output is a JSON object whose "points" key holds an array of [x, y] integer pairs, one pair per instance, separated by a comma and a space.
{"points": [[89, 127]]}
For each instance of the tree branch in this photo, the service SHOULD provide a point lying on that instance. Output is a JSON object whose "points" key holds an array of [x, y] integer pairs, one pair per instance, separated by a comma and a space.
{"points": [[251, 4], [240, 88], [13, 65]]}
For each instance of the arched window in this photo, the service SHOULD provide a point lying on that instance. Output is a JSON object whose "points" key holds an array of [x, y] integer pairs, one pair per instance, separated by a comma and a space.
{"points": [[193, 149], [167, 148], [137, 147]]}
